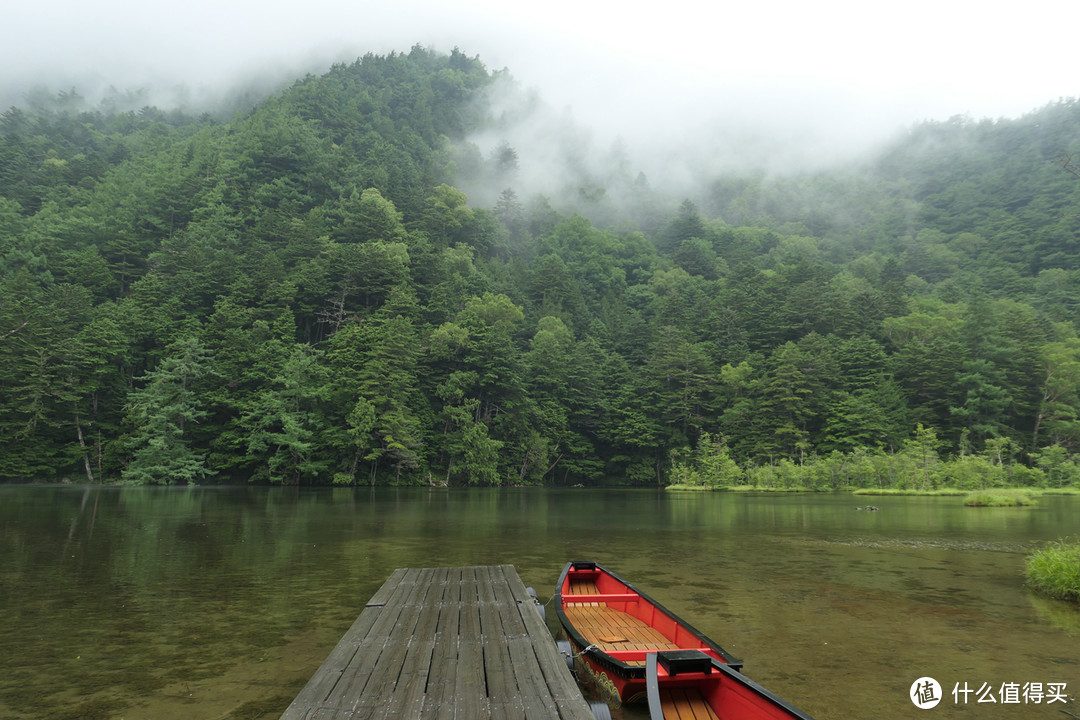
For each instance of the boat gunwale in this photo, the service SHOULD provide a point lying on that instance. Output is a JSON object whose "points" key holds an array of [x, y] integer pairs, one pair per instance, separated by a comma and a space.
{"points": [[604, 659]]}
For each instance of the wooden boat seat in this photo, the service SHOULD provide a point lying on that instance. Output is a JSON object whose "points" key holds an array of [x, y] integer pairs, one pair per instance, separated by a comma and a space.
{"points": [[583, 587], [613, 630], [685, 704]]}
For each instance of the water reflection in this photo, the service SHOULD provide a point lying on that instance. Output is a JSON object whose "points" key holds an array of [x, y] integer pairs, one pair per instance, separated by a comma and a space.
{"points": [[213, 602]]}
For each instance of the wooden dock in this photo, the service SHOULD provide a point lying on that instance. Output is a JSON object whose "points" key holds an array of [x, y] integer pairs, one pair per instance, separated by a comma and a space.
{"points": [[464, 643]]}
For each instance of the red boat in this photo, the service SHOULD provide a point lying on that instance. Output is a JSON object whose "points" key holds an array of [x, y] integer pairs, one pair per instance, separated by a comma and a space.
{"points": [[689, 684], [613, 627]]}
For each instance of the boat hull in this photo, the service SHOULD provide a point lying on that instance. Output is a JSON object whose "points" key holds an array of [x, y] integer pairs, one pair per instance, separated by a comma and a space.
{"points": [[615, 685], [612, 627]]}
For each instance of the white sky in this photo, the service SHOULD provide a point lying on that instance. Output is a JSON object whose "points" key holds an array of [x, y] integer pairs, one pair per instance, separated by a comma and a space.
{"points": [[675, 67]]}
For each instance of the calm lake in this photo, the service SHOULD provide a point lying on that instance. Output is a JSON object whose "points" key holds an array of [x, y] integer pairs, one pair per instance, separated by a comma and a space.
{"points": [[214, 603]]}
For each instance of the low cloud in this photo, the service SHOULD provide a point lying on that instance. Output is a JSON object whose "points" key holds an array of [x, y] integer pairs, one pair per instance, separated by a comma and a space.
{"points": [[678, 90]]}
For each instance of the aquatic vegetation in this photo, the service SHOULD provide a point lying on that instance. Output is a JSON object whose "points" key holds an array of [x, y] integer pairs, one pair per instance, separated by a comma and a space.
{"points": [[909, 491], [1054, 570], [1065, 616], [999, 498], [692, 488], [740, 488]]}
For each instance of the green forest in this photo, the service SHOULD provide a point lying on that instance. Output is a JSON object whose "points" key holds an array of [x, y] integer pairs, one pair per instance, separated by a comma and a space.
{"points": [[303, 293]]}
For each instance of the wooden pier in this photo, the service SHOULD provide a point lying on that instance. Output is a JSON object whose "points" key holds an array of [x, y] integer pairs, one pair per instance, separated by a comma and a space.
{"points": [[464, 643]]}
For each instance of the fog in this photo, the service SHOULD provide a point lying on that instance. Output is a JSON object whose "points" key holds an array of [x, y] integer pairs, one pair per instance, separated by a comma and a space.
{"points": [[680, 86]]}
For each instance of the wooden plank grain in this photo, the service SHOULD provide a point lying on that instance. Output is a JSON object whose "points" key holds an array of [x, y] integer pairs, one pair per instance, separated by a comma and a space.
{"points": [[441, 701], [470, 683], [444, 651], [339, 684], [384, 593], [408, 695], [371, 676], [377, 676], [328, 675], [560, 684], [502, 687], [326, 679], [528, 676], [444, 644]]}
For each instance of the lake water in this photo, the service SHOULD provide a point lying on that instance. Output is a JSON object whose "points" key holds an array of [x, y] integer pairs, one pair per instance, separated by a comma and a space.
{"points": [[219, 603]]}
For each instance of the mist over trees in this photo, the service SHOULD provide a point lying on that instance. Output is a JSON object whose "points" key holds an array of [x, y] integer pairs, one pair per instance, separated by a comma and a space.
{"points": [[405, 271]]}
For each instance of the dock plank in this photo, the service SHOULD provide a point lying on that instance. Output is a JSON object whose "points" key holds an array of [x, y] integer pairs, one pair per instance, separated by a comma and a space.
{"points": [[383, 594], [402, 637], [378, 660], [552, 664], [408, 678], [333, 670], [528, 676], [505, 698], [445, 644], [470, 683], [444, 700]]}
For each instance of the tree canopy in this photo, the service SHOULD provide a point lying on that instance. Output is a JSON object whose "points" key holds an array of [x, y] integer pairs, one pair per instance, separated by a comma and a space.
{"points": [[304, 294]]}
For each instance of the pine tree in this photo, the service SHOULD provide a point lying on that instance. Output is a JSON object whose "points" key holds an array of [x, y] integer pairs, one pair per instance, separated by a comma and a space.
{"points": [[285, 423], [161, 412]]}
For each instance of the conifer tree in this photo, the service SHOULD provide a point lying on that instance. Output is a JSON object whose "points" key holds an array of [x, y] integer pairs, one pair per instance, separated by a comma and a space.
{"points": [[162, 413]]}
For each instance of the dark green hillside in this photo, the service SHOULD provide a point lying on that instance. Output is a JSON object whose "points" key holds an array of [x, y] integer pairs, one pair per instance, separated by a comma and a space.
{"points": [[302, 294], [982, 206]]}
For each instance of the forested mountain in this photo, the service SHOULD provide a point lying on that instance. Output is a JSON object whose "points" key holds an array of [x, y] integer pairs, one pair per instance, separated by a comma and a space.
{"points": [[303, 294]]}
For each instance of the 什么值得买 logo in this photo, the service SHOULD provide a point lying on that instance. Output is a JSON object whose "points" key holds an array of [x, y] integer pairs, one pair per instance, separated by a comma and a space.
{"points": [[925, 693]]}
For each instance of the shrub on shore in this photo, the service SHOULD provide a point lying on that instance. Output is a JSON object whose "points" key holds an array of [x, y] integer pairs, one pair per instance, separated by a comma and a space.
{"points": [[1055, 570], [939, 492], [998, 498], [739, 488]]}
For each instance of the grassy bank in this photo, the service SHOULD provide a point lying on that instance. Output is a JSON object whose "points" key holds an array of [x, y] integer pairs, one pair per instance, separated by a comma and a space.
{"points": [[1055, 570], [1031, 492], [999, 498], [737, 488], [910, 491], [996, 497]]}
